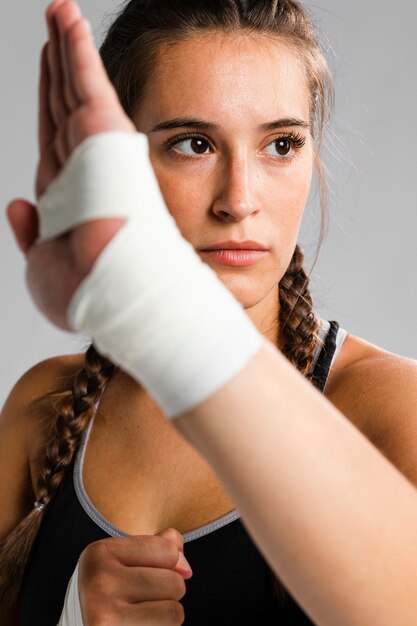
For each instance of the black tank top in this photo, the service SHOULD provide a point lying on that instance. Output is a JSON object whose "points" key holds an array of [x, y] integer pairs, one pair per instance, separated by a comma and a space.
{"points": [[231, 583]]}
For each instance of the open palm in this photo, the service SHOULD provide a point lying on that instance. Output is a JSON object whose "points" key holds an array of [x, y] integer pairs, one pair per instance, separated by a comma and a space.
{"points": [[76, 100]]}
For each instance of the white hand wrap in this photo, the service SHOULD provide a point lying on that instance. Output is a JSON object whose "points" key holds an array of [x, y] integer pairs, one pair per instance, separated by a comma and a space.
{"points": [[71, 613], [150, 303]]}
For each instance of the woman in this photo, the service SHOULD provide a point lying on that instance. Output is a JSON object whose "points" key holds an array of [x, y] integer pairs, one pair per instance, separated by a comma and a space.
{"points": [[315, 517]]}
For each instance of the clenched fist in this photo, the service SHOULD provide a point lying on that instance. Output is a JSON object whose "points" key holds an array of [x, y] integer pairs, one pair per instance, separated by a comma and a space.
{"points": [[134, 581]]}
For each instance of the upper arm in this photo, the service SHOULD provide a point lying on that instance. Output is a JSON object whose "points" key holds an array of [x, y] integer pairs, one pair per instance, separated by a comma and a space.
{"points": [[378, 394], [22, 429]]}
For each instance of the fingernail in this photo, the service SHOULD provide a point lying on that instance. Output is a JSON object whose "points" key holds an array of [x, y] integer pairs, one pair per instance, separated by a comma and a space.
{"points": [[184, 564]]}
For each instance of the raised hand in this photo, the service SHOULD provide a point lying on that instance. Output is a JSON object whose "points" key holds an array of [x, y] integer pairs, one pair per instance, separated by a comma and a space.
{"points": [[134, 581], [76, 100]]}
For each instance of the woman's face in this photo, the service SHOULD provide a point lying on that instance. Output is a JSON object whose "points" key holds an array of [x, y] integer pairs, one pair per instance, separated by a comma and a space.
{"points": [[227, 117]]}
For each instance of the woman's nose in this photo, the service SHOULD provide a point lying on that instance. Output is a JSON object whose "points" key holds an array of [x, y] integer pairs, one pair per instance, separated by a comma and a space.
{"points": [[237, 197]]}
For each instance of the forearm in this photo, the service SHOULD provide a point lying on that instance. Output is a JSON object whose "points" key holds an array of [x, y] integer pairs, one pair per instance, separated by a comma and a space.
{"points": [[336, 521]]}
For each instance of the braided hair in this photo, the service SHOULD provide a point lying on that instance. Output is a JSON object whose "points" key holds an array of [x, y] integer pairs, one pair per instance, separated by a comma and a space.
{"points": [[128, 52], [73, 409]]}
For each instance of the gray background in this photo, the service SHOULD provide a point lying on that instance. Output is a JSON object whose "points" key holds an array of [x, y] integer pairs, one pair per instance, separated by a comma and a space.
{"points": [[364, 277]]}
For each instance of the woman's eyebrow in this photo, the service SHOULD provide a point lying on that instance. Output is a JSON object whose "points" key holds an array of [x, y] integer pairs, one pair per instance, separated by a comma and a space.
{"points": [[179, 122]]}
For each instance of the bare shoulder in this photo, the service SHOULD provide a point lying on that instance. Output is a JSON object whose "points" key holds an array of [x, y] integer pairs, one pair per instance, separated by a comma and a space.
{"points": [[23, 423], [43, 378], [377, 391], [26, 415]]}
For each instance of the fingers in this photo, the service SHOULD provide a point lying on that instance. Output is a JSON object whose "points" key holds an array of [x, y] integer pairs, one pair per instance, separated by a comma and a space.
{"points": [[46, 123], [131, 580], [57, 104], [62, 100], [182, 566], [75, 67], [23, 220], [143, 550], [160, 613], [141, 584], [89, 77], [173, 535], [76, 98], [49, 161], [163, 613], [67, 14], [136, 552]]}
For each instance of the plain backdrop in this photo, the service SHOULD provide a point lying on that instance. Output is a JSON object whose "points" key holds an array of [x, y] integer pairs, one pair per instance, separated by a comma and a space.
{"points": [[365, 274]]}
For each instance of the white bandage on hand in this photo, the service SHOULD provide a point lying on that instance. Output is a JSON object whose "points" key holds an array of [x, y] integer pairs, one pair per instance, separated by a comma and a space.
{"points": [[71, 613], [149, 302]]}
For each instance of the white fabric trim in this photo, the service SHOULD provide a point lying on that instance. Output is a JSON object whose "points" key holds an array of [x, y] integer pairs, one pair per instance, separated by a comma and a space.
{"points": [[324, 329], [71, 613], [340, 338], [114, 531]]}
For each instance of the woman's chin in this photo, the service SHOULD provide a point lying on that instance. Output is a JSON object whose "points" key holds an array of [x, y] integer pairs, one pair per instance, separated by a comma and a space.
{"points": [[249, 291]]}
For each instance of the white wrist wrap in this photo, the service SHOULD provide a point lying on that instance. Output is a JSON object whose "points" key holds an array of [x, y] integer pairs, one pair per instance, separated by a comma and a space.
{"points": [[149, 302], [71, 613]]}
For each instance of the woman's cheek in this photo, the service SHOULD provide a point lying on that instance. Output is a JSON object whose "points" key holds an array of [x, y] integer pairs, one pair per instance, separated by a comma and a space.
{"points": [[299, 189], [175, 188], [183, 198]]}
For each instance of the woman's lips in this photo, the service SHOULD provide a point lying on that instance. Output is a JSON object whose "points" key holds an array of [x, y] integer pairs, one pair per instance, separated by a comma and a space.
{"points": [[237, 258]]}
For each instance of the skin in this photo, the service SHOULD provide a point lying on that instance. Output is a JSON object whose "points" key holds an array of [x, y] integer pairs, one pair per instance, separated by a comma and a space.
{"points": [[251, 188], [247, 195]]}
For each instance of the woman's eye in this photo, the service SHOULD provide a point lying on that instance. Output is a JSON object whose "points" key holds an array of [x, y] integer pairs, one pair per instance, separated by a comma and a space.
{"points": [[282, 147], [197, 145]]}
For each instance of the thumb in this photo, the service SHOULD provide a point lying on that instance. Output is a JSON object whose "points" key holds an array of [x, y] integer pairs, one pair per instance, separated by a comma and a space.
{"points": [[182, 567], [23, 220]]}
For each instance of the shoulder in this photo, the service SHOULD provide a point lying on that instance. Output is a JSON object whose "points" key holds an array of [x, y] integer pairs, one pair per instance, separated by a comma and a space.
{"points": [[24, 421], [377, 391], [26, 409], [41, 379]]}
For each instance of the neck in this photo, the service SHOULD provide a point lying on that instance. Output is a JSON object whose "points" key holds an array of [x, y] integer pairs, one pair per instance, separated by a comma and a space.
{"points": [[265, 316]]}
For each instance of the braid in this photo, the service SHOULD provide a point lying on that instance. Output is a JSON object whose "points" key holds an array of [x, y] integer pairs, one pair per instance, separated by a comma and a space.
{"points": [[299, 326], [74, 410], [73, 416]]}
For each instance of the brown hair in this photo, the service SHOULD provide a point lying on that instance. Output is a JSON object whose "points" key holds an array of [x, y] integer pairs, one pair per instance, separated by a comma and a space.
{"points": [[128, 52]]}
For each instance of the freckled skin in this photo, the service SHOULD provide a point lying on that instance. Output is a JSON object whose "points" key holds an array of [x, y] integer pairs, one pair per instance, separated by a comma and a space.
{"points": [[236, 186]]}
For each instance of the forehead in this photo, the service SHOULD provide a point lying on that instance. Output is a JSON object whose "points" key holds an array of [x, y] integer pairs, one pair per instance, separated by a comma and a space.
{"points": [[227, 78]]}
